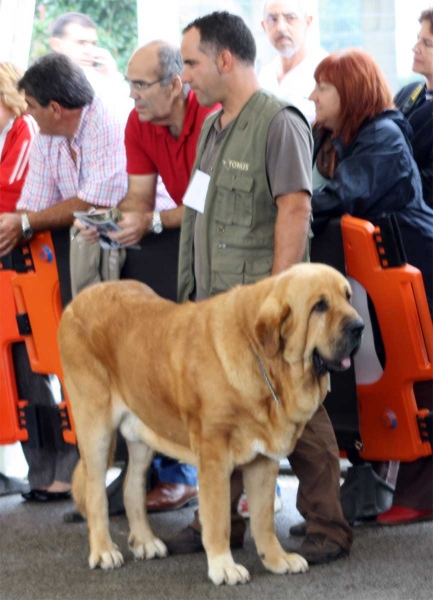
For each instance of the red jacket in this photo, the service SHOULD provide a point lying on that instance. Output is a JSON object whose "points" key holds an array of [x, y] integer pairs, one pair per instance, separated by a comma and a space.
{"points": [[14, 161]]}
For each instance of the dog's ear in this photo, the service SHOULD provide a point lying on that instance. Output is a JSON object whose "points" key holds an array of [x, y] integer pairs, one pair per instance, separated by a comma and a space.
{"points": [[268, 324]]}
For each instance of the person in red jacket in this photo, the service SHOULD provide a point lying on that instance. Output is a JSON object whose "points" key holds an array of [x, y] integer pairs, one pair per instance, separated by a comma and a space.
{"points": [[16, 135]]}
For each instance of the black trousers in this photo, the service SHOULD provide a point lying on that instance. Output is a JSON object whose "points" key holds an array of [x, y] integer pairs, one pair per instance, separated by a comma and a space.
{"points": [[155, 264], [46, 464]]}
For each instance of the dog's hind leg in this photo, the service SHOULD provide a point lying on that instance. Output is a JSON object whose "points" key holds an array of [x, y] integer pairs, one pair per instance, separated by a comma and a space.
{"points": [[259, 480], [142, 542], [95, 431]]}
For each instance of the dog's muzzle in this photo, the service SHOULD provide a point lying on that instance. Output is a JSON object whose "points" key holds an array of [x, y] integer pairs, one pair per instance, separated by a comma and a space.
{"points": [[351, 343]]}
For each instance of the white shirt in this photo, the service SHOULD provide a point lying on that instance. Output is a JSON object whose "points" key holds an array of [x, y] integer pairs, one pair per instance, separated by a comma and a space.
{"points": [[297, 84]]}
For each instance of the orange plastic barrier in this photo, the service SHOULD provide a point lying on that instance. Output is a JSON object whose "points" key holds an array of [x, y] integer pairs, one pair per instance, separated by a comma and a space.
{"points": [[388, 412], [12, 427], [37, 295]]}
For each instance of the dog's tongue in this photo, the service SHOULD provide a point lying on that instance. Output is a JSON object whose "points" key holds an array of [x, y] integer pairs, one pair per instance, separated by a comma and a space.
{"points": [[345, 363]]}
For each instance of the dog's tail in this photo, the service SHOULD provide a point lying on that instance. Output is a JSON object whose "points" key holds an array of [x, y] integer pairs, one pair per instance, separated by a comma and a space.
{"points": [[79, 478]]}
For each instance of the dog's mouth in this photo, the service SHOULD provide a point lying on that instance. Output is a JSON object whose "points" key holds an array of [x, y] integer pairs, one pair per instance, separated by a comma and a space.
{"points": [[347, 348], [322, 366]]}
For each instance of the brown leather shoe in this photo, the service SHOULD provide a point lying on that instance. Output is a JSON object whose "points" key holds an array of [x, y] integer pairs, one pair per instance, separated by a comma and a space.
{"points": [[318, 548], [170, 496], [188, 540]]}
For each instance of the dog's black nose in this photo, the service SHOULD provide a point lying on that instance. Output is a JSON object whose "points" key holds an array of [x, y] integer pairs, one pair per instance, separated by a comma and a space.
{"points": [[356, 328]]}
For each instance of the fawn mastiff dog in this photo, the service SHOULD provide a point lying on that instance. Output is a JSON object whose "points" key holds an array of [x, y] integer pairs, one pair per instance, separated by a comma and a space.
{"points": [[225, 383]]}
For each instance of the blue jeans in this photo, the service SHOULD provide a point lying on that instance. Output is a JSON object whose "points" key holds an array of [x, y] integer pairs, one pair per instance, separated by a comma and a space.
{"points": [[169, 470]]}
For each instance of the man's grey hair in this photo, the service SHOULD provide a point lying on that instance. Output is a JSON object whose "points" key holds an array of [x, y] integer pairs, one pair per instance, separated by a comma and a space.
{"points": [[170, 64], [304, 6]]}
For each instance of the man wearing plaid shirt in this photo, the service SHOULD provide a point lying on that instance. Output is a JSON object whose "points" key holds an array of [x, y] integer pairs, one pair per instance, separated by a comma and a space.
{"points": [[77, 160]]}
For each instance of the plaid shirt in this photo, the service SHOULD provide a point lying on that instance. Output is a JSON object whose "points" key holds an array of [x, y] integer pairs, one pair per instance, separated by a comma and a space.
{"points": [[99, 175], [163, 200]]}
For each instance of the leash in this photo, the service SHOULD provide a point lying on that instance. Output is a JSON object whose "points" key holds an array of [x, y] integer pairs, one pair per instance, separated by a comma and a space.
{"points": [[268, 381]]}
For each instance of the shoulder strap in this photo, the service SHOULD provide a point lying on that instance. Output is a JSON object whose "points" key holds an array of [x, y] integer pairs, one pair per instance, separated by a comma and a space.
{"points": [[409, 102]]}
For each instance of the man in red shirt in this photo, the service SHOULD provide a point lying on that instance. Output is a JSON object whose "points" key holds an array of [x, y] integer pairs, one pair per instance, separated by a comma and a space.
{"points": [[161, 139]]}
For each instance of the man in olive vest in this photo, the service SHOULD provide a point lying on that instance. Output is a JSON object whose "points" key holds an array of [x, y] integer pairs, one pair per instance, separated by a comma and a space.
{"points": [[247, 217]]}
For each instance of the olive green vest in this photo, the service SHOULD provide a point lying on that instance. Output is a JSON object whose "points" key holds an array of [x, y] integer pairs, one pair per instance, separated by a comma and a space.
{"points": [[237, 233]]}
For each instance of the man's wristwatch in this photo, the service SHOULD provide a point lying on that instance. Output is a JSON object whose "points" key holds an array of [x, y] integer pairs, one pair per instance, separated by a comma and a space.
{"points": [[26, 230], [157, 225]]}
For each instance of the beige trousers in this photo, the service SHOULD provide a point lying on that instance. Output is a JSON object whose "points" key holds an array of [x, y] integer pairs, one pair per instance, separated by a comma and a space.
{"points": [[91, 264]]}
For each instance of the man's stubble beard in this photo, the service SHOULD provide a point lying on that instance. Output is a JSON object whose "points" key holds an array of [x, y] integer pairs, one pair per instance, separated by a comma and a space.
{"points": [[289, 52]]}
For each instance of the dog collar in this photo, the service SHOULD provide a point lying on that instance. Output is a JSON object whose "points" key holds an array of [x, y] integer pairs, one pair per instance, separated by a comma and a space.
{"points": [[268, 381]]}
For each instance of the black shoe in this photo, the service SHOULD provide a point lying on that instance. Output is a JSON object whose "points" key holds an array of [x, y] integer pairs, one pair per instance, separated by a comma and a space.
{"points": [[299, 530], [45, 496], [318, 548], [73, 517], [189, 539]]}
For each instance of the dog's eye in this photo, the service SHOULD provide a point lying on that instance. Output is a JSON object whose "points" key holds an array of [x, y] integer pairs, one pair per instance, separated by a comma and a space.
{"points": [[321, 306], [348, 296]]}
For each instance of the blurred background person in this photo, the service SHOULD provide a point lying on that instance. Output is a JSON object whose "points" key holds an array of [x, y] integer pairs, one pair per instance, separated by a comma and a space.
{"points": [[415, 102], [291, 74], [16, 135], [75, 35]]}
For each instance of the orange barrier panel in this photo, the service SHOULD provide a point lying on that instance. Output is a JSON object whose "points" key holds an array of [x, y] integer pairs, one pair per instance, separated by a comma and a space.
{"points": [[37, 300], [12, 428], [388, 412]]}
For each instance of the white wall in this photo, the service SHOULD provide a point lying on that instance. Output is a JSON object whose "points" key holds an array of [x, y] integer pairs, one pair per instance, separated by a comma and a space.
{"points": [[158, 19], [16, 24]]}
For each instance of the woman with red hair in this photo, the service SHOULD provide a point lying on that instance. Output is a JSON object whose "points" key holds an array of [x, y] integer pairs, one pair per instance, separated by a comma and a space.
{"points": [[363, 166], [363, 163]]}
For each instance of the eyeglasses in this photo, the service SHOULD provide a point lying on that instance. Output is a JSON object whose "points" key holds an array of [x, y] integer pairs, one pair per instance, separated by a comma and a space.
{"points": [[273, 18], [140, 86]]}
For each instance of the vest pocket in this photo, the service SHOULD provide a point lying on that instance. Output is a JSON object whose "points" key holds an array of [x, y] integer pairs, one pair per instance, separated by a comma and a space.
{"points": [[227, 271], [255, 270], [234, 200]]}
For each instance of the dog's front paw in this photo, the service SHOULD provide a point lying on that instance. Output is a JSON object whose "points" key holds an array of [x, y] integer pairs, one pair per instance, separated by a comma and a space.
{"points": [[224, 570], [106, 559], [153, 549], [285, 562]]}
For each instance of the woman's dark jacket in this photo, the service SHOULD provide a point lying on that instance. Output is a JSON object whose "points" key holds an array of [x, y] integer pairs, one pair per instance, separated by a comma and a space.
{"points": [[376, 175], [419, 113]]}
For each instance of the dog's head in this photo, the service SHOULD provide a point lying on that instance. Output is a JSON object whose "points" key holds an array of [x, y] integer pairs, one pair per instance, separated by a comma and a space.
{"points": [[307, 316]]}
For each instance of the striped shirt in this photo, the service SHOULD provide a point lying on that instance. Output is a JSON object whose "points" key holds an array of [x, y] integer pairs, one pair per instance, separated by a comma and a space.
{"points": [[15, 145], [99, 174]]}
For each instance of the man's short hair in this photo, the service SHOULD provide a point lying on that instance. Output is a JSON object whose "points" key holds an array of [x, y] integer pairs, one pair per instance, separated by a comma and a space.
{"points": [[427, 15], [222, 30], [59, 25], [170, 61], [54, 77], [170, 65]]}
